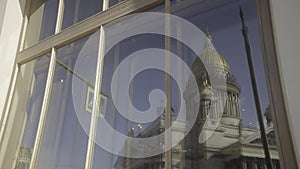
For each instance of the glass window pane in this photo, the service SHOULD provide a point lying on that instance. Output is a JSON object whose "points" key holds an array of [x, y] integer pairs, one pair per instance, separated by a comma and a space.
{"points": [[236, 141], [138, 94], [42, 21], [138, 91], [25, 112], [65, 138], [238, 128], [114, 2], [77, 10]]}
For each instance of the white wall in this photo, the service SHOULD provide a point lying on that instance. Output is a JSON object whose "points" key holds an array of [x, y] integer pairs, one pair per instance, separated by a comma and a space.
{"points": [[2, 10], [10, 28], [286, 18]]}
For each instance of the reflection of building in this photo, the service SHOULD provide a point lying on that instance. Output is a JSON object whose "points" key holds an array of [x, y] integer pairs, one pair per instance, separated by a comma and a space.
{"points": [[24, 157], [230, 146]]}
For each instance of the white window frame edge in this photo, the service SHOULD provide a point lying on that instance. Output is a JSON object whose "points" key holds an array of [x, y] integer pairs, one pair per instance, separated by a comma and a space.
{"points": [[98, 82], [94, 117]]}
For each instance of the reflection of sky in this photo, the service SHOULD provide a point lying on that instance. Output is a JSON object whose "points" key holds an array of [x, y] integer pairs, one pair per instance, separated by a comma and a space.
{"points": [[77, 10], [49, 18], [224, 26]]}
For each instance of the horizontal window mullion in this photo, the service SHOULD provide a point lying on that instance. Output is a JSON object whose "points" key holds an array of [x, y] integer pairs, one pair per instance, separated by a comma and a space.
{"points": [[84, 28]]}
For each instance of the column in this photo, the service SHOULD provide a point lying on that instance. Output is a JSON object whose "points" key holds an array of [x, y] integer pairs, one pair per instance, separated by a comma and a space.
{"points": [[265, 166], [254, 165], [234, 106], [244, 164]]}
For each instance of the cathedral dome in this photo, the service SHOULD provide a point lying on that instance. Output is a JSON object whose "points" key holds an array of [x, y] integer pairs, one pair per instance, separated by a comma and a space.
{"points": [[211, 59], [211, 71]]}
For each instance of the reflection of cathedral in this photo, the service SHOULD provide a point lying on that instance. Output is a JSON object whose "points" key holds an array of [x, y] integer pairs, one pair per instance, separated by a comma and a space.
{"points": [[24, 157], [230, 146]]}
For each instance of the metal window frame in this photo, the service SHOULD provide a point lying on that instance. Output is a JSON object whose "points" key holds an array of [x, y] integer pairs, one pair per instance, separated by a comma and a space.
{"points": [[281, 122], [95, 110], [92, 24]]}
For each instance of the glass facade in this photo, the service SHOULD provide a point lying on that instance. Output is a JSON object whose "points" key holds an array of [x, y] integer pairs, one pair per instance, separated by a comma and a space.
{"points": [[63, 132], [216, 96], [28, 104]]}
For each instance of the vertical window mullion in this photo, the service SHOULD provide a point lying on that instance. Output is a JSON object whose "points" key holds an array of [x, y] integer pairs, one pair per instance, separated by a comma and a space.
{"points": [[25, 25], [168, 153], [59, 20], [105, 5], [42, 120], [94, 120]]}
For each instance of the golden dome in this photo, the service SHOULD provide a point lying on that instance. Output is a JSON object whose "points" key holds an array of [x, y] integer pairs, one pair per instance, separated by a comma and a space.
{"points": [[216, 63], [211, 57]]}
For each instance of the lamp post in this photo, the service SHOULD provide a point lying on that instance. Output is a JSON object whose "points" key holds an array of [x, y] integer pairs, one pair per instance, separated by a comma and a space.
{"points": [[255, 92]]}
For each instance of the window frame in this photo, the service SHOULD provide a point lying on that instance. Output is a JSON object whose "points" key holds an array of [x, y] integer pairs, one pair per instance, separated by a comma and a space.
{"points": [[286, 149], [94, 23]]}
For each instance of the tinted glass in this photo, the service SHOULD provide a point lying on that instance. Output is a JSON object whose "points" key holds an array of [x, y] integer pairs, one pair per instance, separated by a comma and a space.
{"points": [[27, 102], [78, 10], [114, 2], [42, 21], [64, 142]]}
